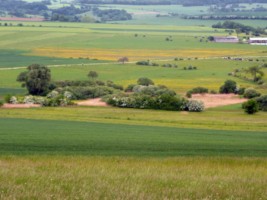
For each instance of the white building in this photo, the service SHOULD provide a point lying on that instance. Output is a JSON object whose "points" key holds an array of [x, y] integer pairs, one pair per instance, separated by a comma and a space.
{"points": [[227, 39], [258, 41]]}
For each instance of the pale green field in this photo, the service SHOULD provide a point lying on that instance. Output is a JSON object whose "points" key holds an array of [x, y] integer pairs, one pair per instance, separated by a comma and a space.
{"points": [[75, 177], [224, 118], [211, 74]]}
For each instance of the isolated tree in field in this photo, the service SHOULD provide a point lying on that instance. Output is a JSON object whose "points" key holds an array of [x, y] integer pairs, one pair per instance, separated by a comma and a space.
{"points": [[123, 60], [256, 72], [36, 79], [229, 86], [145, 81], [92, 75]]}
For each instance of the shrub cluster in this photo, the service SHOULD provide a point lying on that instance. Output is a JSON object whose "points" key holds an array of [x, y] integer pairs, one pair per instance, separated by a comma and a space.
{"points": [[142, 101], [251, 93], [1, 103], [190, 67], [170, 65], [89, 92], [113, 85], [78, 83], [153, 90], [147, 63], [153, 97], [197, 90]]}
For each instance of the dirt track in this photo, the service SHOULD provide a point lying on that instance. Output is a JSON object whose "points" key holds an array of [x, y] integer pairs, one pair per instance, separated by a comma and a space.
{"points": [[92, 102]]}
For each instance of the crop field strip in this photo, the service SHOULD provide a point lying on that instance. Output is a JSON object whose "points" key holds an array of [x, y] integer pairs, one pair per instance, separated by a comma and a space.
{"points": [[224, 118], [29, 137]]}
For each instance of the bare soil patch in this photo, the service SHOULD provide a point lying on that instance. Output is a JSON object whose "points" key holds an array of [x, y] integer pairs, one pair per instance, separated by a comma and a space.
{"points": [[216, 100], [8, 105], [92, 102]]}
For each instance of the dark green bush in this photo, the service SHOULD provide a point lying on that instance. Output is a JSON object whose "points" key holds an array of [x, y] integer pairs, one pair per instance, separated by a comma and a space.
{"points": [[241, 91], [90, 92], [1, 103], [200, 90], [113, 85], [262, 101], [229, 86], [251, 106], [7, 98], [145, 81], [75, 83], [143, 62], [197, 90], [129, 88]]}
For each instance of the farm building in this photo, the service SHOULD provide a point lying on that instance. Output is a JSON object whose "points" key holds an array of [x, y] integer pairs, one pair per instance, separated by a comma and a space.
{"points": [[258, 41], [227, 39]]}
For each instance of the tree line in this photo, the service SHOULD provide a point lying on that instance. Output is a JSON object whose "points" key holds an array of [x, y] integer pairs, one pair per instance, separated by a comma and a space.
{"points": [[169, 2], [240, 28]]}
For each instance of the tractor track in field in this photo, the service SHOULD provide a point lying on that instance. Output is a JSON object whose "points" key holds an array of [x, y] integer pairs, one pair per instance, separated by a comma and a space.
{"points": [[131, 62]]}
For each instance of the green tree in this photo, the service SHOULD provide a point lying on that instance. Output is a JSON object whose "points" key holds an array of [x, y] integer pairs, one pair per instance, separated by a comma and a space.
{"points": [[229, 86], [256, 72], [36, 79], [92, 74], [251, 106], [145, 81]]}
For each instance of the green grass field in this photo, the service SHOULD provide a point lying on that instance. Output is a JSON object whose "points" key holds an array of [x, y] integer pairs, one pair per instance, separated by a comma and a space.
{"points": [[84, 138]]}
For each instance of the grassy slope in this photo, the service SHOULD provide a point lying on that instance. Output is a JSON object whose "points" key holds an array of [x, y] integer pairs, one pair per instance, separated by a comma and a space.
{"points": [[232, 118], [23, 137]]}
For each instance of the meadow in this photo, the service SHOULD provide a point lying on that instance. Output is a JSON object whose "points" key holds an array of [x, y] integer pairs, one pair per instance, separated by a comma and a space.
{"points": [[211, 73], [113, 153], [79, 177]]}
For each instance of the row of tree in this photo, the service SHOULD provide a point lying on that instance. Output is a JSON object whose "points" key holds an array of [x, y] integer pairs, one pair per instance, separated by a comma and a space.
{"points": [[240, 28]]}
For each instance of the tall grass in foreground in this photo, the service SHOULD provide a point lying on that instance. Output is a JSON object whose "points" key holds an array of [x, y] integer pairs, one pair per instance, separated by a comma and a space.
{"points": [[49, 177]]}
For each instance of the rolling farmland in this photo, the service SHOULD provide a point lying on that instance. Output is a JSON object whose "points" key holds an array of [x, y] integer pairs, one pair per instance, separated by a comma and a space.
{"points": [[81, 152]]}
